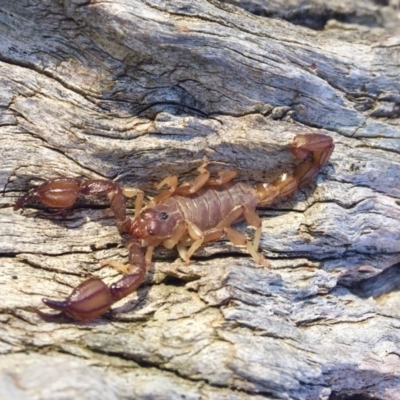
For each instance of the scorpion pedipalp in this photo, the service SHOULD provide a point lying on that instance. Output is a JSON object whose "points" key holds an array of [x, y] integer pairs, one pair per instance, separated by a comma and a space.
{"points": [[87, 301], [56, 193], [93, 297]]}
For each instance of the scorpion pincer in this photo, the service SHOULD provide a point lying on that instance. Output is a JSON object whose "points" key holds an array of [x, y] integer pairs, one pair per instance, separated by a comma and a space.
{"points": [[185, 216]]}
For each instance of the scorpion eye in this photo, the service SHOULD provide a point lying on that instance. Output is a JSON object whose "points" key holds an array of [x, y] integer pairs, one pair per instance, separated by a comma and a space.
{"points": [[163, 215]]}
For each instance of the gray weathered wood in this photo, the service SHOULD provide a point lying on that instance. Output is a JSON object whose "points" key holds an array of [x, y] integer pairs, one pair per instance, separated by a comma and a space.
{"points": [[135, 91]]}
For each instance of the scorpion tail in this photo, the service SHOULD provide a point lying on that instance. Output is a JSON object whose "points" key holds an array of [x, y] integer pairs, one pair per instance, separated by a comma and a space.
{"points": [[314, 151]]}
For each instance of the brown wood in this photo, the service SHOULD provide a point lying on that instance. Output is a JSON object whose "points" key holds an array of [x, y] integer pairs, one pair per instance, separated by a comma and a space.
{"points": [[139, 90]]}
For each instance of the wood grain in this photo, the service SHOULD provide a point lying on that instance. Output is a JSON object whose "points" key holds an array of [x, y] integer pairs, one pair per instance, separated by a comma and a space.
{"points": [[138, 90]]}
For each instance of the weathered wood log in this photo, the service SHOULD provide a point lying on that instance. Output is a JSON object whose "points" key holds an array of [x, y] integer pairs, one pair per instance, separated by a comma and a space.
{"points": [[135, 91]]}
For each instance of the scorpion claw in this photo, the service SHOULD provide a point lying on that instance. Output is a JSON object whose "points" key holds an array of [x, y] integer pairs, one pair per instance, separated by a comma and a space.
{"points": [[23, 200], [49, 317], [89, 300], [56, 305]]}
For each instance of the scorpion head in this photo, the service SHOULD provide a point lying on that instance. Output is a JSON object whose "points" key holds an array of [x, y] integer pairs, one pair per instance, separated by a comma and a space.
{"points": [[154, 225]]}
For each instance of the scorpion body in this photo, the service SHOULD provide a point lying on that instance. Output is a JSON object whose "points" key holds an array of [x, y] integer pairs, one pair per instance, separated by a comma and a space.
{"points": [[184, 216], [210, 205]]}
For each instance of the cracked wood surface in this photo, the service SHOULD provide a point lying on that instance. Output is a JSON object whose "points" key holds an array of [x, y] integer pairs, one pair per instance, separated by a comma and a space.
{"points": [[138, 90]]}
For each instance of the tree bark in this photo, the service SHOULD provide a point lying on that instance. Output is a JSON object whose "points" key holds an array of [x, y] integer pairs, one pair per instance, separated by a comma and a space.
{"points": [[135, 91]]}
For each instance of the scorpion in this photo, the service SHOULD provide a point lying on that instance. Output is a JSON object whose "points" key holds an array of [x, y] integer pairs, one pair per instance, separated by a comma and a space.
{"points": [[186, 216]]}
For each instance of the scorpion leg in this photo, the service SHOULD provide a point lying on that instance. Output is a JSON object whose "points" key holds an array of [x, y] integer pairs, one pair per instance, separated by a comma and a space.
{"points": [[197, 235], [223, 177], [177, 236], [172, 183], [191, 239], [238, 238], [129, 192], [193, 186], [224, 229], [186, 188], [93, 297], [314, 151], [204, 179]]}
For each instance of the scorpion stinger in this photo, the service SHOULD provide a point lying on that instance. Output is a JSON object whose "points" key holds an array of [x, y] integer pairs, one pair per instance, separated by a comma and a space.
{"points": [[187, 216]]}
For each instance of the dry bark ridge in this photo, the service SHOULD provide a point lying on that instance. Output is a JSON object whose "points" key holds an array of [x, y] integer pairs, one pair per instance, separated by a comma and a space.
{"points": [[138, 90]]}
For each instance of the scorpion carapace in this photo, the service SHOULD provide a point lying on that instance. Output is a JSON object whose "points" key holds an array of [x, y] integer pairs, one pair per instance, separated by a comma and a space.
{"points": [[185, 216]]}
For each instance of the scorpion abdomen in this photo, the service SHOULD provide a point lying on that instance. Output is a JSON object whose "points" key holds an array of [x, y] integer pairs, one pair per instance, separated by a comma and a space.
{"points": [[210, 205]]}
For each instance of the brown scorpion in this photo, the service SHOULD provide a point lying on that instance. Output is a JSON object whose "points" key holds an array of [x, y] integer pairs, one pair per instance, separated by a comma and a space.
{"points": [[185, 216]]}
